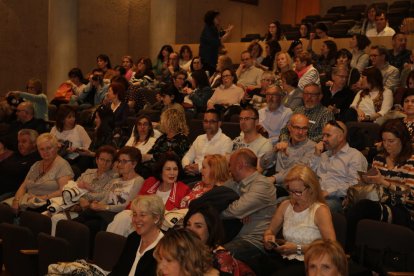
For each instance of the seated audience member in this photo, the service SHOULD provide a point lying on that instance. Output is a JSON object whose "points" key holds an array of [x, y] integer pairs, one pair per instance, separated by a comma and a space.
{"points": [[298, 150], [185, 57], [294, 95], [162, 59], [14, 169], [36, 96], [250, 137], [395, 173], [128, 64], [283, 63], [95, 91], [360, 59], [305, 70], [304, 30], [94, 181], [368, 23], [304, 217], [407, 74], [115, 100], [196, 65], [338, 166], [381, 26], [104, 63], [223, 62], [228, 93], [248, 75], [177, 84], [71, 136], [390, 74], [172, 67], [317, 114], [214, 141], [175, 130], [119, 71], [118, 195], [270, 53], [5, 152], [24, 120], [206, 224], [274, 33], [338, 97], [201, 91], [181, 252], [164, 184], [275, 116], [257, 96], [137, 257], [408, 109], [343, 58], [295, 48], [256, 52], [71, 89], [168, 98], [142, 136], [256, 204], [326, 60], [326, 257], [143, 76], [373, 101], [45, 178], [321, 32], [399, 55]]}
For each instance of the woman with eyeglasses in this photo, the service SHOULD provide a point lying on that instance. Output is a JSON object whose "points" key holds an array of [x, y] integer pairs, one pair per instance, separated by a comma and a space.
{"points": [[228, 93], [119, 194], [304, 218], [374, 100], [142, 136]]}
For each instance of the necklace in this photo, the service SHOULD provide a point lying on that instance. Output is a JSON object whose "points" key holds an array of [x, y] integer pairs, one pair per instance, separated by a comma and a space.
{"points": [[43, 169]]}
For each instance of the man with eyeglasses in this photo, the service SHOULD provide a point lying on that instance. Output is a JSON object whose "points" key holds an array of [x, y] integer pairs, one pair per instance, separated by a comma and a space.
{"points": [[299, 150], [381, 26], [378, 55], [317, 114], [214, 141], [336, 164], [399, 55], [248, 75], [250, 137], [275, 116], [255, 207]]}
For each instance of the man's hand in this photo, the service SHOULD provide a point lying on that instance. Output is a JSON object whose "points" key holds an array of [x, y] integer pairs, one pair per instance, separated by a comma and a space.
{"points": [[191, 169], [319, 148], [282, 146]]}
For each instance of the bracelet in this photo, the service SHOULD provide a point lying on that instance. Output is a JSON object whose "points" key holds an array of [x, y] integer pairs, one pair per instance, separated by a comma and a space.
{"points": [[299, 249]]}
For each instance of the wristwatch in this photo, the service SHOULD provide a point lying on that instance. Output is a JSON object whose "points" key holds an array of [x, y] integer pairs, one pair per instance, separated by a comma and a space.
{"points": [[299, 249]]}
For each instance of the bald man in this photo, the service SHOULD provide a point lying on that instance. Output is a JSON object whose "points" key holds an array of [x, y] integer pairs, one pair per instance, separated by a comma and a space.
{"points": [[338, 166], [299, 149]]}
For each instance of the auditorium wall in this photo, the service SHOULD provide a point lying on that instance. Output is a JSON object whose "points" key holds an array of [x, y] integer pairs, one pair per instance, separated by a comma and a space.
{"points": [[326, 4]]}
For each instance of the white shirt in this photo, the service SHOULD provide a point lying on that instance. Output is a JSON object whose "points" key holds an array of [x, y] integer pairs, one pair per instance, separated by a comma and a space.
{"points": [[77, 136], [230, 96], [367, 104], [219, 144], [143, 148], [387, 31], [274, 121], [139, 255]]}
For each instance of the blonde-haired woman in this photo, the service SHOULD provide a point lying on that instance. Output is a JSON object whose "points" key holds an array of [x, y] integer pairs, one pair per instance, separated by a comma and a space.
{"points": [[283, 62], [182, 253], [304, 217], [174, 126], [137, 256], [45, 178]]}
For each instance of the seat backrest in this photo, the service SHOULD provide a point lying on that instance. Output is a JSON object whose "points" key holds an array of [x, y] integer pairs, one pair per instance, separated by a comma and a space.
{"points": [[15, 238], [52, 250], [108, 249], [339, 223], [6, 213], [231, 129], [36, 222], [77, 234], [385, 246]]}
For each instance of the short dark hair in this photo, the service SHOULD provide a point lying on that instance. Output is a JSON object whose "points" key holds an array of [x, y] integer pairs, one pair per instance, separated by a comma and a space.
{"points": [[63, 111], [133, 153], [321, 26], [291, 78], [381, 12], [180, 72], [106, 149], [398, 128], [252, 109], [119, 88], [232, 72], [213, 222], [120, 69], [408, 92], [76, 73], [167, 156], [344, 53], [214, 111]]}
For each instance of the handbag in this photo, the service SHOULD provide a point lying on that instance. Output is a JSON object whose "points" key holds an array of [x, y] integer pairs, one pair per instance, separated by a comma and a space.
{"points": [[357, 192]]}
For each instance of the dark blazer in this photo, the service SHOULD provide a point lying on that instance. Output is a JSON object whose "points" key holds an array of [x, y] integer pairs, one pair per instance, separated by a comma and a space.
{"points": [[147, 265]]}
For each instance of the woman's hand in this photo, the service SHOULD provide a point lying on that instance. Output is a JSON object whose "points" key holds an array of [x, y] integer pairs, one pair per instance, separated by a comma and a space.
{"points": [[15, 205], [96, 206], [268, 240], [84, 185], [361, 114], [287, 249], [83, 203]]}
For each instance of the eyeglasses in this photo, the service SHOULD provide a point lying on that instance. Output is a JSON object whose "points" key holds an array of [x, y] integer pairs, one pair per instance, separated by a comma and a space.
{"points": [[226, 76], [104, 160], [297, 128], [143, 124], [273, 95], [297, 193], [245, 59], [123, 162], [313, 95], [246, 118], [335, 124], [210, 121]]}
